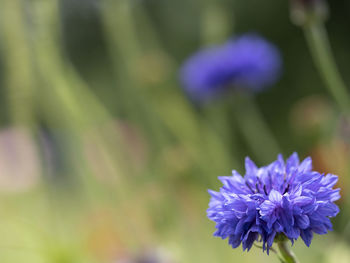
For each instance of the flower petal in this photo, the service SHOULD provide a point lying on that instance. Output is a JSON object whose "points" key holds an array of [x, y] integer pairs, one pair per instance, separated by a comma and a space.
{"points": [[302, 221], [250, 167], [275, 196], [306, 235], [306, 165]]}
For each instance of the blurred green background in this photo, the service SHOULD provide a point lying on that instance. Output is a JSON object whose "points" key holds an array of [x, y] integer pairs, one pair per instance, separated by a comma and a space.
{"points": [[104, 159]]}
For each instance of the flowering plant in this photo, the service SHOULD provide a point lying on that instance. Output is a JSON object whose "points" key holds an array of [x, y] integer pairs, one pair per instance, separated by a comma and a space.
{"points": [[278, 201]]}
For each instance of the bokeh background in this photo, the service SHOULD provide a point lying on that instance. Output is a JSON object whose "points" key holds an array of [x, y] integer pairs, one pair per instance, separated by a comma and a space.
{"points": [[103, 158]]}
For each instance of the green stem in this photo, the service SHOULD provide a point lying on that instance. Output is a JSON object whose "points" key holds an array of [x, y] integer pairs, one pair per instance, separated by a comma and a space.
{"points": [[215, 25], [287, 253], [19, 80], [319, 46]]}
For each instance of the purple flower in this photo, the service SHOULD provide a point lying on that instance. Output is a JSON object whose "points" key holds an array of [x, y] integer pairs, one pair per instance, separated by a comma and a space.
{"points": [[248, 62], [284, 198]]}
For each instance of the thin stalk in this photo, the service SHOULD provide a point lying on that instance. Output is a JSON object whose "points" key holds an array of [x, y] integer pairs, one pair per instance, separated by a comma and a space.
{"points": [[19, 80], [287, 253], [254, 129], [320, 49], [215, 24]]}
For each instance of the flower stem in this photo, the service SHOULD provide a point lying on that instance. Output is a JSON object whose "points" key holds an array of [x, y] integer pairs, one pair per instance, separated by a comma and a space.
{"points": [[319, 46], [287, 253]]}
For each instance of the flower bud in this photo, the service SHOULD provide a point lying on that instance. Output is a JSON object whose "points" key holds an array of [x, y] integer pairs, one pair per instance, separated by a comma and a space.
{"points": [[304, 11]]}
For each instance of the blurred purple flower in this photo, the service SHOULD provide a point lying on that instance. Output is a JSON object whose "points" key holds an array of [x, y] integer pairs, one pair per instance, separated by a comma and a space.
{"points": [[248, 62], [285, 199]]}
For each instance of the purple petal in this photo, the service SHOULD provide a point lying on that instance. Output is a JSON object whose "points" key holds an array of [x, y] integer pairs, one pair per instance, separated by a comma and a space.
{"points": [[250, 167], [305, 166], [328, 209], [277, 227], [292, 162], [234, 240], [216, 195], [302, 200], [293, 232], [239, 228], [267, 208], [306, 235], [328, 194], [320, 229], [303, 221], [270, 239], [249, 239], [329, 180], [275, 196]]}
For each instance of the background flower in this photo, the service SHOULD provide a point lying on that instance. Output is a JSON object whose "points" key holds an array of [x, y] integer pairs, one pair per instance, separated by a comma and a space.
{"points": [[248, 62]]}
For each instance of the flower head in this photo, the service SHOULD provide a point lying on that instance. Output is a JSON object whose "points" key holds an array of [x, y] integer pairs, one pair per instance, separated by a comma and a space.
{"points": [[249, 62], [302, 11], [283, 198]]}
